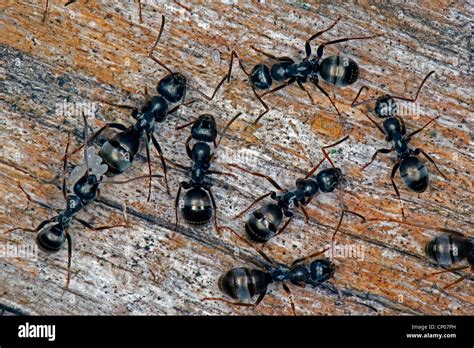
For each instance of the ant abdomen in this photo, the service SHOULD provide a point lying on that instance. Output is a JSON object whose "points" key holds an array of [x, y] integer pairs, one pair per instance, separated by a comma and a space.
{"points": [[118, 152], [414, 174], [339, 71], [51, 237], [243, 283], [262, 224], [196, 207], [447, 250]]}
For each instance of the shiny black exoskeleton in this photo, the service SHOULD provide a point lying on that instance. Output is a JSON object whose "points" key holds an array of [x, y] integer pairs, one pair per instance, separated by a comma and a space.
{"points": [[450, 249], [412, 170], [84, 187], [198, 202], [336, 70], [263, 224], [119, 152], [242, 283]]}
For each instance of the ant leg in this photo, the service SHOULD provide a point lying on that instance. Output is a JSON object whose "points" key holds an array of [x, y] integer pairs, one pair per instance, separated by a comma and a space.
{"points": [[215, 172], [140, 11], [251, 205], [286, 84], [198, 90], [394, 170], [354, 104], [100, 228], [36, 230], [460, 279], [45, 12], [320, 49], [290, 297], [156, 43], [418, 91], [226, 128], [307, 44], [269, 179], [214, 206], [232, 55], [305, 213], [271, 56], [118, 126], [147, 148], [332, 145], [163, 164], [176, 203], [284, 226], [65, 160], [262, 254], [300, 85], [267, 109], [384, 151], [441, 229], [333, 239], [30, 199], [69, 257], [376, 124], [313, 170], [259, 299], [420, 129], [454, 269], [322, 90], [431, 160], [309, 256]]}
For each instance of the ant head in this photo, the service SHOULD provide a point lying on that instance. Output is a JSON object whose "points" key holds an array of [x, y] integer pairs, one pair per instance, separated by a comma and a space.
{"points": [[322, 270], [204, 129], [52, 236], [309, 186], [172, 87], [385, 106], [328, 179]]}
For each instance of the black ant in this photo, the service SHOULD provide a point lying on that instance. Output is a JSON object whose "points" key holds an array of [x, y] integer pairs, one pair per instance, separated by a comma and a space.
{"points": [[263, 224], [196, 206], [243, 283], [446, 250], [336, 70], [118, 153], [412, 171], [81, 187]]}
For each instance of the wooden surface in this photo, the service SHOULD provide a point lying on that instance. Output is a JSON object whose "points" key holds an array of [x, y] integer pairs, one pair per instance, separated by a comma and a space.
{"points": [[89, 51]]}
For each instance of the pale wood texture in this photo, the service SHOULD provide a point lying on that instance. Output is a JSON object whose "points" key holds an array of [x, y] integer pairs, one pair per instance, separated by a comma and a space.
{"points": [[90, 50]]}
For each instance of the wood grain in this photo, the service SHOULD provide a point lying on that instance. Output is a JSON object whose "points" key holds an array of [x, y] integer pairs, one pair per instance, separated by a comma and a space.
{"points": [[92, 51]]}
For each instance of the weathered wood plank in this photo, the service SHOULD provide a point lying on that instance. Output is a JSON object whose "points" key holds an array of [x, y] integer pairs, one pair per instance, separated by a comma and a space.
{"points": [[91, 50]]}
